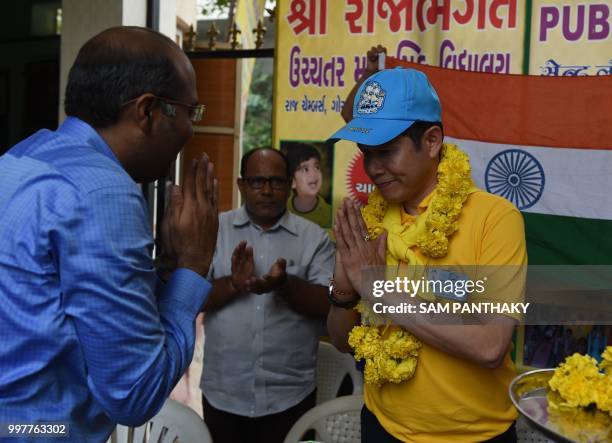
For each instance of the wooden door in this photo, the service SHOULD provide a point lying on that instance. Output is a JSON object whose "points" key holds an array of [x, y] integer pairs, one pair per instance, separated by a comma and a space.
{"points": [[219, 132]]}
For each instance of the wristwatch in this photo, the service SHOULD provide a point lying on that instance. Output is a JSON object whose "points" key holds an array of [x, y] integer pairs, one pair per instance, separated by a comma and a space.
{"points": [[331, 296]]}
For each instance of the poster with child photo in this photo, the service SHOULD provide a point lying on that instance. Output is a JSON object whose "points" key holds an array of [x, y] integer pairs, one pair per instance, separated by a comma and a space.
{"points": [[310, 168]]}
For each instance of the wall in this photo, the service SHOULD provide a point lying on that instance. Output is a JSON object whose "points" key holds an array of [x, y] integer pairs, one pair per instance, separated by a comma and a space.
{"points": [[186, 10], [82, 19]]}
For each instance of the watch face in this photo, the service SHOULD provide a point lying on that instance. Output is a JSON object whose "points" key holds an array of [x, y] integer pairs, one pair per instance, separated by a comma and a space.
{"points": [[330, 289]]}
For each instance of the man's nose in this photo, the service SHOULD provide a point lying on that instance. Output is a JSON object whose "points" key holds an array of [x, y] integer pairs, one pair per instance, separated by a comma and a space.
{"points": [[267, 187], [373, 167]]}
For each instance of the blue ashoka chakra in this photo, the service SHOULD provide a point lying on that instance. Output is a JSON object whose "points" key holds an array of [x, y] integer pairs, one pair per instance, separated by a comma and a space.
{"points": [[517, 176]]}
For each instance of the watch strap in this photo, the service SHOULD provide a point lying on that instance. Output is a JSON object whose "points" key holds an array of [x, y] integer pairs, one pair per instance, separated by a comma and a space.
{"points": [[331, 296]]}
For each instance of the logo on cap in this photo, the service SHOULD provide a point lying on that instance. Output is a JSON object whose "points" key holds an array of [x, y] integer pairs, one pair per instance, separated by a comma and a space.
{"points": [[357, 129], [371, 99]]}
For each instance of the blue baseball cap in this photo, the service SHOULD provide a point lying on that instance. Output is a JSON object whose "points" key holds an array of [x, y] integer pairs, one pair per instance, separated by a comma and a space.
{"points": [[387, 104]]}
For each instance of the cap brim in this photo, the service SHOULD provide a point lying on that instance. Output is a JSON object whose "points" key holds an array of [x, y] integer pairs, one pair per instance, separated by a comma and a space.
{"points": [[371, 131]]}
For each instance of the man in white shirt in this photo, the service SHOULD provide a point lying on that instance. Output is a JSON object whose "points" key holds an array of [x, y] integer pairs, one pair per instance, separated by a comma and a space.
{"points": [[266, 311]]}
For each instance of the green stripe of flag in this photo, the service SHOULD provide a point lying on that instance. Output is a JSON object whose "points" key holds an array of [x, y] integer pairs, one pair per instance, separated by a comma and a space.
{"points": [[553, 240]]}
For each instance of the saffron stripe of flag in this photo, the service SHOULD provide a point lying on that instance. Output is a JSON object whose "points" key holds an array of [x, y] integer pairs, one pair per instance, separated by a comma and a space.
{"points": [[544, 143]]}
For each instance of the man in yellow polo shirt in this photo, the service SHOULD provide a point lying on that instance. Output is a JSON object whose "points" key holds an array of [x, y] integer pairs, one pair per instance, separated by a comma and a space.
{"points": [[452, 384]]}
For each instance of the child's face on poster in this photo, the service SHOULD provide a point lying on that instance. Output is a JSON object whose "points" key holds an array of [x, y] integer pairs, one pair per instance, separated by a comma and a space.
{"points": [[308, 179]]}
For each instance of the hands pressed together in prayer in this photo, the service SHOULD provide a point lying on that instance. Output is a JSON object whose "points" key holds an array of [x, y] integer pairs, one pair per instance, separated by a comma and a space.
{"points": [[243, 277], [191, 221], [354, 249]]}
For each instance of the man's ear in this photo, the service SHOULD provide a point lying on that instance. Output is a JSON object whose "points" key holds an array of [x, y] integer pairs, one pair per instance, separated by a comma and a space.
{"points": [[145, 112], [432, 141], [241, 183]]}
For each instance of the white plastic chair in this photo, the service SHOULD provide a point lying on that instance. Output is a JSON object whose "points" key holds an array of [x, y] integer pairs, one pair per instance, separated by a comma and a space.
{"points": [[332, 367], [335, 421], [173, 424]]}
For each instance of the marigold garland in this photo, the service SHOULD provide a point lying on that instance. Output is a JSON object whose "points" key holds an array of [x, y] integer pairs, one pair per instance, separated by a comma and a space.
{"points": [[391, 355]]}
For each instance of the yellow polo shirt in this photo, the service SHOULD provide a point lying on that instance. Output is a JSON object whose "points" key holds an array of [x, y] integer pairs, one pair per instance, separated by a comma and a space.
{"points": [[450, 399]]}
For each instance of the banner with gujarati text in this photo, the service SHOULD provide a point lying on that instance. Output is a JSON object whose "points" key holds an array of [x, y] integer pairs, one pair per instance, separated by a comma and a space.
{"points": [[570, 38]]}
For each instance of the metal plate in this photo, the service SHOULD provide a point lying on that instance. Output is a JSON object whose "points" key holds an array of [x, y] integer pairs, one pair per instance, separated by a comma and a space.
{"points": [[528, 393]]}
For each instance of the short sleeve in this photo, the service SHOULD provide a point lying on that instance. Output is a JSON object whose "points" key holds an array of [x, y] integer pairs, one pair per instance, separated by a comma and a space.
{"points": [[322, 263], [503, 256]]}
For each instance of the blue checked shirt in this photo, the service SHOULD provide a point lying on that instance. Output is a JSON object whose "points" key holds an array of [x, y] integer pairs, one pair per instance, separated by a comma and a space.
{"points": [[87, 334]]}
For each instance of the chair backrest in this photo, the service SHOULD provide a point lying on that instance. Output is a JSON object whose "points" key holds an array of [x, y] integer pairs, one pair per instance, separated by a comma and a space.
{"points": [[174, 423], [332, 367], [335, 421]]}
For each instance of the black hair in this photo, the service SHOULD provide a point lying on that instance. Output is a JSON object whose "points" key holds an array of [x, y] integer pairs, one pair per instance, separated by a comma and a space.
{"points": [[107, 73], [298, 153], [416, 131], [245, 159]]}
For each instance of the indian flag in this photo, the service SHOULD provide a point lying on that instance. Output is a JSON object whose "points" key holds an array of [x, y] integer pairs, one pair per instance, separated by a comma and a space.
{"points": [[545, 144]]}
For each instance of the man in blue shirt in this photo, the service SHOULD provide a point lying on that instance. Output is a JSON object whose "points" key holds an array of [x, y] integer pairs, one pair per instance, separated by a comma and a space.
{"points": [[89, 335]]}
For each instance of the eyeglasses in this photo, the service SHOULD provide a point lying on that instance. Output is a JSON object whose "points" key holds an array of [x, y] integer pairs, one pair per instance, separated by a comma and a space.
{"points": [[196, 112], [258, 182]]}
